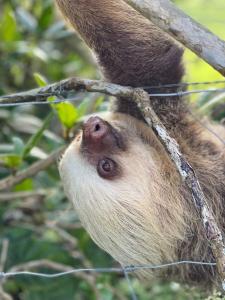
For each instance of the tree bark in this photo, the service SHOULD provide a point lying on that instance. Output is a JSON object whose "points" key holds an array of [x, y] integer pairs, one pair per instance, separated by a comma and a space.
{"points": [[184, 29]]}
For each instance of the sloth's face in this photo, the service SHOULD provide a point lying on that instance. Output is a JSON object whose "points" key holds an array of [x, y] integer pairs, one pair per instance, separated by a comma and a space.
{"points": [[113, 173]]}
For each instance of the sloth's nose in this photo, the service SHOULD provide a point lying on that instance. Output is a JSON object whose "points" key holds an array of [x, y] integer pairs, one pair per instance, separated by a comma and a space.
{"points": [[95, 129]]}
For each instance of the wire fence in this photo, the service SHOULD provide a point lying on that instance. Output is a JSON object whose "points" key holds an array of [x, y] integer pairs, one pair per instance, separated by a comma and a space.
{"points": [[122, 270], [178, 93], [125, 270]]}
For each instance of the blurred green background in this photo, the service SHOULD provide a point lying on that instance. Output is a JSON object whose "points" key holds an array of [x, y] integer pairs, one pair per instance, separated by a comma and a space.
{"points": [[39, 223]]}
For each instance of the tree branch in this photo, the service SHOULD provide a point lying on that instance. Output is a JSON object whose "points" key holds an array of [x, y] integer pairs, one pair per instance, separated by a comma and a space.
{"points": [[63, 87], [184, 29], [5, 197], [187, 173]]}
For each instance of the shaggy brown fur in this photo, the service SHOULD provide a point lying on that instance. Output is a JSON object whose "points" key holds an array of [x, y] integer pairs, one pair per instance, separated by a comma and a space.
{"points": [[132, 51]]}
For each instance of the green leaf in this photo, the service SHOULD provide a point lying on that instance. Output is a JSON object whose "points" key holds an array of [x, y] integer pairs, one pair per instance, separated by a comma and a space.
{"points": [[37, 136], [47, 16], [11, 160], [67, 114], [40, 80], [8, 26], [25, 185]]}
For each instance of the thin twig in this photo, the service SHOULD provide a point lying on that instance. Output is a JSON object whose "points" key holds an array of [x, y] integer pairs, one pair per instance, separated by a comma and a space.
{"points": [[4, 295], [4, 254], [184, 29], [3, 258], [68, 238], [4, 197], [41, 165]]}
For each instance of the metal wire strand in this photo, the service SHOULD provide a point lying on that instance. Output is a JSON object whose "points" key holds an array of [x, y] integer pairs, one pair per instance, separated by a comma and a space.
{"points": [[148, 89], [184, 84], [129, 283], [128, 269], [124, 270]]}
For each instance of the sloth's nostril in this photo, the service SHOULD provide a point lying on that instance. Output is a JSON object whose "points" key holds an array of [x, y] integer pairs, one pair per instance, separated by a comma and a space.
{"points": [[97, 127], [95, 130]]}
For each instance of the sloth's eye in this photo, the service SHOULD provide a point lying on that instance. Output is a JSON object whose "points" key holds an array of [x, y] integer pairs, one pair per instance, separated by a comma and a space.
{"points": [[107, 168]]}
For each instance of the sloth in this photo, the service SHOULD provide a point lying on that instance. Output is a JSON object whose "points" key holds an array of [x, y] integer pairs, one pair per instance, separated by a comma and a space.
{"points": [[125, 190]]}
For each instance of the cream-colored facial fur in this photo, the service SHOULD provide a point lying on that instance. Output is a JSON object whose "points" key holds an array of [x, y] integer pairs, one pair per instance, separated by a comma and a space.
{"points": [[131, 217]]}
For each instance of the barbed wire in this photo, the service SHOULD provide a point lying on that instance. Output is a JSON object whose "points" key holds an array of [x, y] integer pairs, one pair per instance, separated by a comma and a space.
{"points": [[147, 88], [184, 93], [57, 101], [62, 98], [120, 270], [130, 285], [181, 84], [128, 269]]}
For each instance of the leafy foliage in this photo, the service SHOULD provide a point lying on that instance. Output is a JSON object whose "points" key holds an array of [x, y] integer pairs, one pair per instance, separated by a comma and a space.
{"points": [[35, 49]]}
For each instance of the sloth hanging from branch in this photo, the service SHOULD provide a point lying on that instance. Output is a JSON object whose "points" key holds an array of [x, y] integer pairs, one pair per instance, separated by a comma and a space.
{"points": [[124, 187]]}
